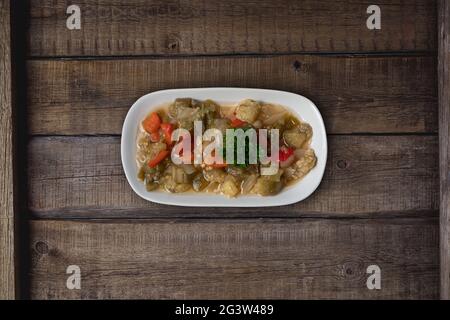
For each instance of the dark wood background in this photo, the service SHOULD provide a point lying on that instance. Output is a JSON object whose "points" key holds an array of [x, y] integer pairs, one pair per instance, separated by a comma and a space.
{"points": [[444, 143], [378, 202]]}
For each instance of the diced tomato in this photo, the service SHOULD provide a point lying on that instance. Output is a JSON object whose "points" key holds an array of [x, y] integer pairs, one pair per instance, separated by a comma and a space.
{"points": [[154, 136], [159, 157], [237, 123], [167, 129], [285, 153], [152, 123]]}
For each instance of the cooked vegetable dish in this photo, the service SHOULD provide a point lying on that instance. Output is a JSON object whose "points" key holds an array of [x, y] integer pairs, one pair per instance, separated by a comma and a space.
{"points": [[294, 158]]}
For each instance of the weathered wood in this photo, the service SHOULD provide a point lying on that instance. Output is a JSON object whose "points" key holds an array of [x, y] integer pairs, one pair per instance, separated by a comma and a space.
{"points": [[140, 27], [444, 143], [365, 175], [354, 94], [236, 259], [7, 205]]}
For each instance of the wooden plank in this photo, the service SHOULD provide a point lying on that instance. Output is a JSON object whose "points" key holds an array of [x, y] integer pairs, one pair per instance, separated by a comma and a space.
{"points": [[140, 27], [365, 176], [7, 205], [444, 143], [354, 94], [236, 259]]}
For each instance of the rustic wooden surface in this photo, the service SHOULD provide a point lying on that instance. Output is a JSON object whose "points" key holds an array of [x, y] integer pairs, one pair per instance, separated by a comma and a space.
{"points": [[354, 94], [7, 204], [378, 202], [366, 175], [444, 143], [139, 27], [234, 259]]}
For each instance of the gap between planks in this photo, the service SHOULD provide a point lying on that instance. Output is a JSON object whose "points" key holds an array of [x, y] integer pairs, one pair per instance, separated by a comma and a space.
{"points": [[395, 175], [368, 54]]}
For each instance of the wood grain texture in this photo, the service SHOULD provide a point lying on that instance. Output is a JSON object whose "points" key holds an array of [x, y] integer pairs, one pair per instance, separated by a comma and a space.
{"points": [[236, 259], [365, 176], [7, 205], [444, 143], [140, 27], [354, 94]]}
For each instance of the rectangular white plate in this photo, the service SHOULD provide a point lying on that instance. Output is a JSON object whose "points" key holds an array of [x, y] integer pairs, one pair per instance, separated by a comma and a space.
{"points": [[299, 105]]}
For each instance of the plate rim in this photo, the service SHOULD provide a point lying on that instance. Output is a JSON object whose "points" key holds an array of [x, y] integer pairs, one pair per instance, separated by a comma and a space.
{"points": [[225, 202]]}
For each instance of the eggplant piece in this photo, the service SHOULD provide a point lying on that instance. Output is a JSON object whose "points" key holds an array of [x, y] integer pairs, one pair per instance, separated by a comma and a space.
{"points": [[214, 175], [199, 183], [150, 186], [248, 110], [248, 183], [141, 173], [229, 187], [269, 185], [302, 166], [265, 186], [171, 186], [183, 102], [298, 136]]}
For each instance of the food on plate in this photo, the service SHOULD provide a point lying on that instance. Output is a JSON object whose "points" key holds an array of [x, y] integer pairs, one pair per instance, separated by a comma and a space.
{"points": [[251, 147]]}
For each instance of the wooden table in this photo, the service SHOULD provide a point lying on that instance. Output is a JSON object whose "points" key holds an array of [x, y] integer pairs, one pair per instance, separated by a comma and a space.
{"points": [[64, 199]]}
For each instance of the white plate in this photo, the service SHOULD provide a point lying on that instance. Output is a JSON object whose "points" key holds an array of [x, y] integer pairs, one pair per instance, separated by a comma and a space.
{"points": [[299, 105]]}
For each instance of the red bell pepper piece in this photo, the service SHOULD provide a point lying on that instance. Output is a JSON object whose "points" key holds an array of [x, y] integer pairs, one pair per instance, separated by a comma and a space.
{"points": [[237, 123], [159, 157], [152, 123], [285, 153], [167, 129]]}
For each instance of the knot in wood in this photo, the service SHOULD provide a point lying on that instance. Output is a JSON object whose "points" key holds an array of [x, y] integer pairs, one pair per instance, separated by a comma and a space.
{"points": [[41, 247], [342, 164]]}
